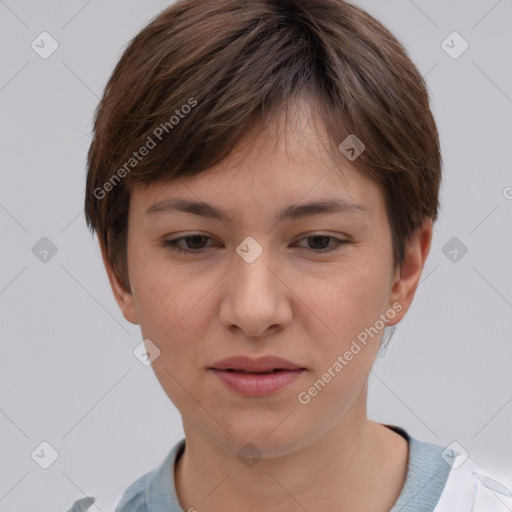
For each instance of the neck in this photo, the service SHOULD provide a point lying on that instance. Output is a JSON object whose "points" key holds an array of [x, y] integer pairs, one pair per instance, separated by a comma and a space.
{"points": [[329, 474]]}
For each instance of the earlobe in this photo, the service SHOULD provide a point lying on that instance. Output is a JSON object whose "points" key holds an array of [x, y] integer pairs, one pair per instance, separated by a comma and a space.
{"points": [[407, 277], [123, 297]]}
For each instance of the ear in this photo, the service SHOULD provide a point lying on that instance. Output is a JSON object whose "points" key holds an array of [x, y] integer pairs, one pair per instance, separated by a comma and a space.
{"points": [[124, 297], [407, 276]]}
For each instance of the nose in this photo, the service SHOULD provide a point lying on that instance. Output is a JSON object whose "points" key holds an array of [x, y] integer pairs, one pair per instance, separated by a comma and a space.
{"points": [[256, 299]]}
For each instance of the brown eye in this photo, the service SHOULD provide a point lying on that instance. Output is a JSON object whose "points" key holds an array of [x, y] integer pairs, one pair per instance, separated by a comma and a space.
{"points": [[320, 243], [196, 244]]}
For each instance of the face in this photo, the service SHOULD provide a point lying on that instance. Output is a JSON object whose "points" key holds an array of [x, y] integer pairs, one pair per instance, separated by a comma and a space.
{"points": [[309, 288]]}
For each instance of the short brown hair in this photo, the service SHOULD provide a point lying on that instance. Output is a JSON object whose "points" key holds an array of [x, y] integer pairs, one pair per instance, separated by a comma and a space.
{"points": [[231, 63]]}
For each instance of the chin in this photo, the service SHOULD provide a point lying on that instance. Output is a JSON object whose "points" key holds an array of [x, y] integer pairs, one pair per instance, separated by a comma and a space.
{"points": [[263, 440]]}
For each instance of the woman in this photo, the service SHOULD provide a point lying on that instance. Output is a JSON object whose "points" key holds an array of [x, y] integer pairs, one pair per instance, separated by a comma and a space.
{"points": [[258, 130]]}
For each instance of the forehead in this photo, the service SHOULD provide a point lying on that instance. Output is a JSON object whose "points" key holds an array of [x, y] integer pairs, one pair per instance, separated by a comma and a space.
{"points": [[289, 162]]}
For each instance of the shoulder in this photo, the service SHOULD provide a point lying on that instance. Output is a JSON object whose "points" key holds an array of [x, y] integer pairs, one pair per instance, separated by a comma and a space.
{"points": [[153, 490], [132, 499], [471, 488], [465, 486], [446, 479], [426, 477]]}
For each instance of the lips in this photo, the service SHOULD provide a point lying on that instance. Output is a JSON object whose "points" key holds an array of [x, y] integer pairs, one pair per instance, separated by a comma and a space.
{"points": [[264, 364], [255, 373], [258, 377]]}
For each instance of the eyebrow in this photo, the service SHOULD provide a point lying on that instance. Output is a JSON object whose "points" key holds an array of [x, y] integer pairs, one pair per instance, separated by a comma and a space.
{"points": [[293, 211]]}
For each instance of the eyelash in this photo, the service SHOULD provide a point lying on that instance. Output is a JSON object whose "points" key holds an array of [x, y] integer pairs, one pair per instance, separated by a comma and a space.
{"points": [[173, 244]]}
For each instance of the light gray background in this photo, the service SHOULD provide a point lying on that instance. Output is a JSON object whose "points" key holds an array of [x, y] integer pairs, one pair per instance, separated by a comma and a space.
{"points": [[68, 373]]}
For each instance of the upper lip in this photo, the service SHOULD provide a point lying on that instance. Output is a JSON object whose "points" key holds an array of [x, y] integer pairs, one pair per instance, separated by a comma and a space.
{"points": [[259, 364]]}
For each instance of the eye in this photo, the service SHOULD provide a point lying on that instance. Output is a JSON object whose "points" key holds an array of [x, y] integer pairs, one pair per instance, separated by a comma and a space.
{"points": [[323, 240], [195, 243], [196, 240]]}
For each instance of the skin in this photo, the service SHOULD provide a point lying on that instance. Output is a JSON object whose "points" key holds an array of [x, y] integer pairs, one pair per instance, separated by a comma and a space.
{"points": [[292, 302]]}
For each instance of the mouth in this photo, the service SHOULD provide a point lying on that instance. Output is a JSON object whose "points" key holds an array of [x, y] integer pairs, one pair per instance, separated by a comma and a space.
{"points": [[256, 377], [261, 365], [256, 384], [239, 370]]}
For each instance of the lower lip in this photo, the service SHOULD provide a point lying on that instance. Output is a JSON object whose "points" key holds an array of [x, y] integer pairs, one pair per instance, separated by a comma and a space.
{"points": [[251, 384]]}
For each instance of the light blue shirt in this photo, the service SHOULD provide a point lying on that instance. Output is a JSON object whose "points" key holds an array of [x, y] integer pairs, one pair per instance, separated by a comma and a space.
{"points": [[155, 491]]}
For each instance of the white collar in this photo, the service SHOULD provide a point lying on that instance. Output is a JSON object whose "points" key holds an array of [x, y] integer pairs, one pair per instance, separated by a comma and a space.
{"points": [[469, 490]]}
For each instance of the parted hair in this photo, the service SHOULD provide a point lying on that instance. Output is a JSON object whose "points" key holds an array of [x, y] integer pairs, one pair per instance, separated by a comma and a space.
{"points": [[202, 73]]}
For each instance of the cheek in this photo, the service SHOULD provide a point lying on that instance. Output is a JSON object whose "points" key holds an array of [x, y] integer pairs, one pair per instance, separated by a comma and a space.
{"points": [[161, 290], [167, 309], [171, 304], [347, 309], [350, 300], [172, 315]]}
